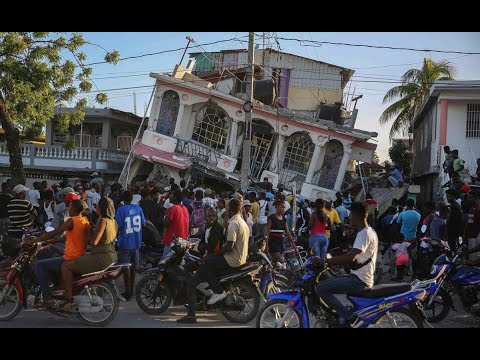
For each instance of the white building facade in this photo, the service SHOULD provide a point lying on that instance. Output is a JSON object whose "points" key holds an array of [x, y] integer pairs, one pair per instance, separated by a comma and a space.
{"points": [[450, 116], [195, 129]]}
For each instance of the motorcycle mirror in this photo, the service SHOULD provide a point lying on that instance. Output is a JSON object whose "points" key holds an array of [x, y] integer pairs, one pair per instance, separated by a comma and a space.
{"points": [[49, 229], [423, 229]]}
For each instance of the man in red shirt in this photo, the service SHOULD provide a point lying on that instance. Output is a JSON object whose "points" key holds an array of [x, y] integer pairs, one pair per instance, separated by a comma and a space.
{"points": [[176, 221]]}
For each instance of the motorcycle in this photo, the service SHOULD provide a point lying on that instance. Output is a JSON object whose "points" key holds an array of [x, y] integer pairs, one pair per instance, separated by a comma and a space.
{"points": [[381, 306], [453, 279], [95, 294], [161, 286]]}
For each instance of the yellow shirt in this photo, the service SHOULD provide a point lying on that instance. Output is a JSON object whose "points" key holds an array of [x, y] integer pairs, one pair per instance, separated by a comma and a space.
{"points": [[334, 218], [255, 210]]}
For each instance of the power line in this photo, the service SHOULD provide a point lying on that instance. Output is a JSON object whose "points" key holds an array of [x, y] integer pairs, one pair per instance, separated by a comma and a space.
{"points": [[316, 43], [165, 51]]}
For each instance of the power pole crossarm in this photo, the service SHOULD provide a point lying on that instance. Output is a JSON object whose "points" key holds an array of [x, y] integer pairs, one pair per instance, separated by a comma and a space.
{"points": [[247, 140]]}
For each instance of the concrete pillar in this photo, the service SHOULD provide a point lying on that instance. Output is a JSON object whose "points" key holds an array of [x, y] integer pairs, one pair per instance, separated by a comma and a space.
{"points": [[347, 151], [277, 152], [313, 164], [233, 138], [178, 124], [106, 131], [49, 133]]}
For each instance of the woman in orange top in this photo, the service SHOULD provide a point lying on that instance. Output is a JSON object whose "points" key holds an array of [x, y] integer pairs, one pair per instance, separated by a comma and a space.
{"points": [[76, 229]]}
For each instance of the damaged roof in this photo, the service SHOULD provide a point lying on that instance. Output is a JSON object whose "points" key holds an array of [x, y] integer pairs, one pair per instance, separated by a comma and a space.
{"points": [[346, 72]]}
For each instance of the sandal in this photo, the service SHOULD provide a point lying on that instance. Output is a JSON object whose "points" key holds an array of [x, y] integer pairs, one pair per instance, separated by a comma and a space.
{"points": [[44, 304], [67, 304]]}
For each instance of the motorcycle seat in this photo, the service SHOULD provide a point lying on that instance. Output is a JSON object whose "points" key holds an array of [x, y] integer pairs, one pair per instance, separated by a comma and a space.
{"points": [[234, 270], [383, 290]]}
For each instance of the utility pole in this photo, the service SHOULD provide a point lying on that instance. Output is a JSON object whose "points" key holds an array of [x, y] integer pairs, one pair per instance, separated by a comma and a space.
{"points": [[134, 103], [248, 107]]}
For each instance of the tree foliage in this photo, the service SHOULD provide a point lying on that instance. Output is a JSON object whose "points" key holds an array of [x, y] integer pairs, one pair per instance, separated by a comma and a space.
{"points": [[413, 91], [39, 70], [400, 154], [376, 159]]}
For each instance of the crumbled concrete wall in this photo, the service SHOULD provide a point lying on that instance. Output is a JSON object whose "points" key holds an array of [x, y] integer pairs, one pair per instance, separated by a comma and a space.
{"points": [[331, 164]]}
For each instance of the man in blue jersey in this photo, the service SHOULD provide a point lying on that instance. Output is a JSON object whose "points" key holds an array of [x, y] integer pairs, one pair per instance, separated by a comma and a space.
{"points": [[130, 220]]}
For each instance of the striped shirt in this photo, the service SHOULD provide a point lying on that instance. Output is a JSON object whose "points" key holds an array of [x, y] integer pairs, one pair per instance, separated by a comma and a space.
{"points": [[21, 214]]}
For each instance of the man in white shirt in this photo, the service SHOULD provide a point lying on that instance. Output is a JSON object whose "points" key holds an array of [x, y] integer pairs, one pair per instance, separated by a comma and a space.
{"points": [[361, 258], [34, 196]]}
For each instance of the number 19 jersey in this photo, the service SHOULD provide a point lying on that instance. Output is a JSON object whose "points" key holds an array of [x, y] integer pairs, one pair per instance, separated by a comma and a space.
{"points": [[130, 219]]}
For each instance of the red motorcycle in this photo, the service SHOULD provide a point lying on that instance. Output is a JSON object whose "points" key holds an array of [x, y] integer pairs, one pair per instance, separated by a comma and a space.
{"points": [[96, 295]]}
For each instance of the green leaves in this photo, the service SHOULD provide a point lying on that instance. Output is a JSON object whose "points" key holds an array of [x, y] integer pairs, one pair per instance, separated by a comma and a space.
{"points": [[112, 57], [101, 98], [40, 70], [410, 95]]}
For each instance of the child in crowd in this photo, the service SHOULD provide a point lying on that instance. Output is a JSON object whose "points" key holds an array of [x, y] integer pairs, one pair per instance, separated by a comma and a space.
{"points": [[401, 257]]}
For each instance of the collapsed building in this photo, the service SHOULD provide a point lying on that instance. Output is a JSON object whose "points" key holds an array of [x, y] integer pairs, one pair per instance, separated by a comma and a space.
{"points": [[301, 133]]}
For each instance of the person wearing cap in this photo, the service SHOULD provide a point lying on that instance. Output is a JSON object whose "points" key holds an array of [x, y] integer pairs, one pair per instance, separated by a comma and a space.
{"points": [[96, 179], [21, 214], [61, 209], [247, 216]]}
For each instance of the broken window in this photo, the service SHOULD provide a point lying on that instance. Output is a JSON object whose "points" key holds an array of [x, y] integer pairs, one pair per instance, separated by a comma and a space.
{"points": [[327, 176], [211, 126], [167, 118], [261, 150], [299, 153]]}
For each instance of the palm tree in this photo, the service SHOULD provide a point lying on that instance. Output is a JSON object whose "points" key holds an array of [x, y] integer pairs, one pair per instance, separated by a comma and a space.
{"points": [[411, 94]]}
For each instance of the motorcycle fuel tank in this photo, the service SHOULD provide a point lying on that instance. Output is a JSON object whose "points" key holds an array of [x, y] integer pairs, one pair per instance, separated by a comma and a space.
{"points": [[467, 276]]}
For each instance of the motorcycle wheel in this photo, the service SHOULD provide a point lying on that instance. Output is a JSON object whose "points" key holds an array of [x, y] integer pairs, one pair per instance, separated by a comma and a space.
{"points": [[151, 296], [249, 293], [400, 318], [10, 305], [110, 305], [274, 310], [439, 308]]}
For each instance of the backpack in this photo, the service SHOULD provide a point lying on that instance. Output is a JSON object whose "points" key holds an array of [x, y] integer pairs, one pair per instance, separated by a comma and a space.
{"points": [[198, 218]]}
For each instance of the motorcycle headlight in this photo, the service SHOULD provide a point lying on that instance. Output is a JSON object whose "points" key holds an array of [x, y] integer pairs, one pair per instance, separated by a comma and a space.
{"points": [[433, 270]]}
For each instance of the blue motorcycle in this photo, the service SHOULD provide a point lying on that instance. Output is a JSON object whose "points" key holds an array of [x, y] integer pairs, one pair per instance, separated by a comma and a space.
{"points": [[453, 278], [392, 305]]}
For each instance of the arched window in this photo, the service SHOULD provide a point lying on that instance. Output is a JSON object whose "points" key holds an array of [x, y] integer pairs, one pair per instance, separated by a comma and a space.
{"points": [[211, 126], [299, 153], [167, 118]]}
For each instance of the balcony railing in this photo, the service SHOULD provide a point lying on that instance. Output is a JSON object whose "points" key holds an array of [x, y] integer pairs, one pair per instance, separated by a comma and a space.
{"points": [[202, 153], [286, 177], [35, 152]]}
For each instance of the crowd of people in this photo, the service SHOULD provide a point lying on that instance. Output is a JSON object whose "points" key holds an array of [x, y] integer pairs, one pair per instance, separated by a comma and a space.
{"points": [[115, 221]]}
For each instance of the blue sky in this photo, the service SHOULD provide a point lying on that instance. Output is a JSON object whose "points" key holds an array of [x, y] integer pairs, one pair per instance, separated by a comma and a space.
{"points": [[371, 65]]}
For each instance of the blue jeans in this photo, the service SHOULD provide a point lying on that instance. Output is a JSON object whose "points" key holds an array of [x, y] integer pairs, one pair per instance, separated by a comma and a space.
{"points": [[129, 256], [339, 285], [166, 250], [48, 270], [319, 244]]}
